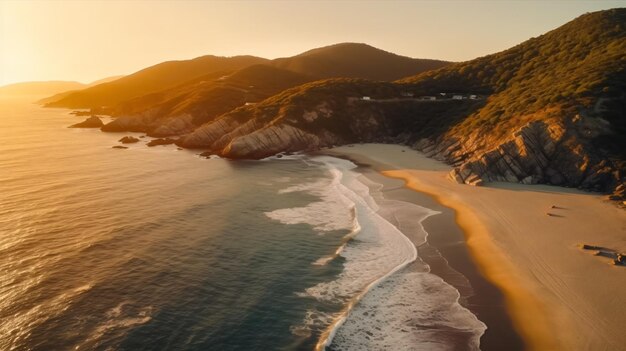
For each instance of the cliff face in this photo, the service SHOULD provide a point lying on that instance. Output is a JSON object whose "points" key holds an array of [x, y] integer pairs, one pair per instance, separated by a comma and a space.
{"points": [[555, 113], [553, 152], [297, 120], [152, 123], [271, 140], [552, 146]]}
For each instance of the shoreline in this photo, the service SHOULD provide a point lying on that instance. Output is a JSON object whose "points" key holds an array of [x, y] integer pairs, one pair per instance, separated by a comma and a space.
{"points": [[327, 337], [557, 296], [446, 254], [461, 330], [525, 311]]}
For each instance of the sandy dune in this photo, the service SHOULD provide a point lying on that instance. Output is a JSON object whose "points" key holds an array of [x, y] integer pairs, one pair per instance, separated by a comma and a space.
{"points": [[560, 296]]}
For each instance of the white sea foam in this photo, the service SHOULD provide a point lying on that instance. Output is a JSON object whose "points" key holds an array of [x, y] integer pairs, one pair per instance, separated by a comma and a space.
{"points": [[386, 305], [314, 320], [119, 320], [325, 259], [409, 311], [378, 248], [334, 211]]}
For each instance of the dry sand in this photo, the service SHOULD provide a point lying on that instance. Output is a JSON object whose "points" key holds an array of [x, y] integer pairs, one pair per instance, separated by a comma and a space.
{"points": [[559, 296]]}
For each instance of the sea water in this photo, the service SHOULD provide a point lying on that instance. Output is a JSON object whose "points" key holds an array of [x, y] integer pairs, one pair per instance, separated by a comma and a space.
{"points": [[159, 249]]}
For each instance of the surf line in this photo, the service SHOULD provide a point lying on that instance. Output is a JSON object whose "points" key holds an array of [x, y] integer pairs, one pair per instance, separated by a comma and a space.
{"points": [[356, 229], [327, 336]]}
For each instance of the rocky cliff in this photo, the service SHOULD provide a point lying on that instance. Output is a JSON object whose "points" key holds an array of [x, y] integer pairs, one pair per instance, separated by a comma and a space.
{"points": [[553, 152], [552, 146], [551, 110], [321, 114], [152, 123]]}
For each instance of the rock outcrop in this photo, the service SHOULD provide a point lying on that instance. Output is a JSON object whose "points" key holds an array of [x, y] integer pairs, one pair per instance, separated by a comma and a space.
{"points": [[555, 150], [254, 140], [271, 141], [161, 141], [151, 123], [128, 140], [541, 152], [91, 122]]}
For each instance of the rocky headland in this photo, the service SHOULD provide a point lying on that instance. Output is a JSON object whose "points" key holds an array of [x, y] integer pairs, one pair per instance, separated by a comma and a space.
{"points": [[550, 110], [91, 122], [128, 140]]}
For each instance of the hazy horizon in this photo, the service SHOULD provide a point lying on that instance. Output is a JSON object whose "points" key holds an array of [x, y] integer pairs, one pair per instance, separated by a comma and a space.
{"points": [[88, 41]]}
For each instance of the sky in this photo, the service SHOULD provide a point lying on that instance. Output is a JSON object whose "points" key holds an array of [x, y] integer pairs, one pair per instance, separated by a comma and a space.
{"points": [[89, 40]]}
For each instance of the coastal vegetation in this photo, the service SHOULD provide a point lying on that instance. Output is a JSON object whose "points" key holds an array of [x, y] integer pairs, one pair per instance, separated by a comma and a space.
{"points": [[549, 110], [211, 95], [162, 76], [350, 60], [577, 68], [355, 60]]}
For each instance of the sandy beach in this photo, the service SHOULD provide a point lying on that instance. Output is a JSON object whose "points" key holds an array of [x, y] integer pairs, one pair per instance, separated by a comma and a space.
{"points": [[525, 240], [448, 257]]}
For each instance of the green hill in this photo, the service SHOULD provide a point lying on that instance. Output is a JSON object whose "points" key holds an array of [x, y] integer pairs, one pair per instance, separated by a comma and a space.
{"points": [[579, 67], [181, 108], [572, 78], [353, 60], [191, 104], [152, 79], [550, 110], [340, 60]]}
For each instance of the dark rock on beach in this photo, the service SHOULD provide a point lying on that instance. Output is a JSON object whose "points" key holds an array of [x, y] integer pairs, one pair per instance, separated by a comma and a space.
{"points": [[128, 140], [91, 122], [161, 141]]}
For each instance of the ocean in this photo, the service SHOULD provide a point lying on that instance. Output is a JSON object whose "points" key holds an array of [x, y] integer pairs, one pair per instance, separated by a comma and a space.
{"points": [[160, 249]]}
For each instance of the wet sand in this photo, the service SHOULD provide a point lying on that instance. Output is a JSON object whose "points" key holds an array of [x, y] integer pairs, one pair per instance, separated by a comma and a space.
{"points": [[447, 255]]}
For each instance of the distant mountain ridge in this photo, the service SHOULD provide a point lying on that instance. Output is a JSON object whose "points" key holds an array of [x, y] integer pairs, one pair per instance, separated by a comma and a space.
{"points": [[152, 79], [183, 107], [341, 60], [64, 92], [39, 88], [356, 60], [59, 88]]}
